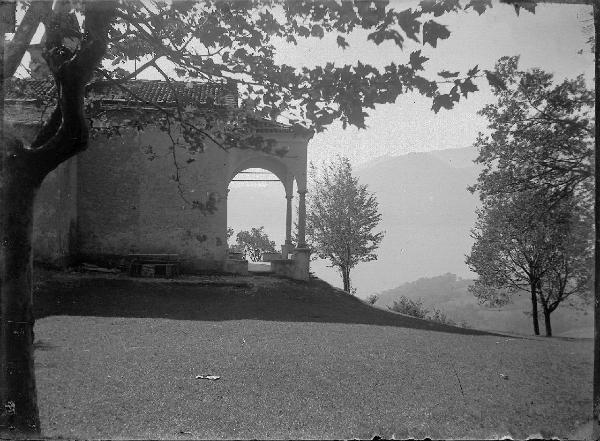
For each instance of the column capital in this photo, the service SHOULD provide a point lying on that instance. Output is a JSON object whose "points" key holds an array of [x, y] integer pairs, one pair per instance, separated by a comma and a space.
{"points": [[302, 192], [289, 196]]}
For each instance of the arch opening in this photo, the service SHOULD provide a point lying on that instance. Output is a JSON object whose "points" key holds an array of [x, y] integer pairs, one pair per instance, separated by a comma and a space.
{"points": [[256, 200]]}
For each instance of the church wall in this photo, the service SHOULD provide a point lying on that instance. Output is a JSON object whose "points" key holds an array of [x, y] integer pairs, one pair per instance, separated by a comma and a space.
{"points": [[169, 220], [129, 203], [107, 198]]}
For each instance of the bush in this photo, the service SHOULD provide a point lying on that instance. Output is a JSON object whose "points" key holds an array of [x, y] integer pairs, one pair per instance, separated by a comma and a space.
{"points": [[414, 308], [441, 317], [372, 299]]}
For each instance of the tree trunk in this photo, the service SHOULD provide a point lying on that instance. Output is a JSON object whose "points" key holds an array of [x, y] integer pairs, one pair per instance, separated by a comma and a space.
{"points": [[547, 322], [18, 412], [21, 172], [534, 309], [596, 388], [346, 278]]}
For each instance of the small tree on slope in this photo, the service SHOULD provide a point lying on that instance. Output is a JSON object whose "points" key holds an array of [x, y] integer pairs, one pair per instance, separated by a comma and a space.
{"points": [[341, 217]]}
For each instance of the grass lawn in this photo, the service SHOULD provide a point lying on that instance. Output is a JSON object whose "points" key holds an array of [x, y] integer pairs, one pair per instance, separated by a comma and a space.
{"points": [[118, 358]]}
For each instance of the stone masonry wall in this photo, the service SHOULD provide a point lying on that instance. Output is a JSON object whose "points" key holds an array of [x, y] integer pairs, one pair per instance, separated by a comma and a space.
{"points": [[128, 201]]}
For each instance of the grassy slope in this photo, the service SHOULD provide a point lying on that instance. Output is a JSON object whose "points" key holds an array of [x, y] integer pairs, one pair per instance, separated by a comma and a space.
{"points": [[118, 358]]}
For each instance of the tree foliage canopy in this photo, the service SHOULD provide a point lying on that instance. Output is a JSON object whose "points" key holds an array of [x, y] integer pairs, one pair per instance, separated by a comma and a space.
{"points": [[235, 42], [527, 243], [254, 243], [541, 134], [341, 218], [519, 240]]}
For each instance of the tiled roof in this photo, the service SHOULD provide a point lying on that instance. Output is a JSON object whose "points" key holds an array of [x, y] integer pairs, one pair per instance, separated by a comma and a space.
{"points": [[27, 89], [160, 92]]}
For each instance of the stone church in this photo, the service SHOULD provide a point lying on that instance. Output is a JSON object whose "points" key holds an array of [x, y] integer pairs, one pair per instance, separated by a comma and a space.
{"points": [[119, 197]]}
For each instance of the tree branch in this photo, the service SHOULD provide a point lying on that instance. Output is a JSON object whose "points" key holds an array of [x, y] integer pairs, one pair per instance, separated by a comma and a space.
{"points": [[16, 48], [71, 73]]}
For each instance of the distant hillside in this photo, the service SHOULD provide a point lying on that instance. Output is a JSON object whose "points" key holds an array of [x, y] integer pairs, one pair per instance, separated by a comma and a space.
{"points": [[450, 294]]}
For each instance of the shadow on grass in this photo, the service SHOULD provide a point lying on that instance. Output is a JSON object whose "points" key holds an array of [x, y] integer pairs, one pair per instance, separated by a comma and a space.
{"points": [[263, 298]]}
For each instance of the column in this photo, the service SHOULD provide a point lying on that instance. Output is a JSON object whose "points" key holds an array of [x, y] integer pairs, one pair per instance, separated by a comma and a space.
{"points": [[302, 219], [288, 220]]}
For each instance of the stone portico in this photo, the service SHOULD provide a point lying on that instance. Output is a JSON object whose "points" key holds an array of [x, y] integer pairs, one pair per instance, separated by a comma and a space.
{"points": [[293, 261]]}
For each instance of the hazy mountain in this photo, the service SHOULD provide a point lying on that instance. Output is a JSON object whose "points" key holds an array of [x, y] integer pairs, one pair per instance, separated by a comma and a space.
{"points": [[426, 211], [427, 214], [450, 294]]}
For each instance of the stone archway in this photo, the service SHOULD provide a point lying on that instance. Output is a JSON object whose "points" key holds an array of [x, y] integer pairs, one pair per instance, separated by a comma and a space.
{"points": [[255, 199], [287, 176], [289, 167]]}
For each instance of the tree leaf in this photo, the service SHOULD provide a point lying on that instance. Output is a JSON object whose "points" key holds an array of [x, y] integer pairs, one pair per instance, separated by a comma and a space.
{"points": [[317, 31], [416, 60], [494, 80], [442, 100], [303, 31], [527, 5], [447, 74], [473, 71], [439, 7], [408, 22], [341, 41], [386, 34], [479, 6], [467, 86], [433, 31]]}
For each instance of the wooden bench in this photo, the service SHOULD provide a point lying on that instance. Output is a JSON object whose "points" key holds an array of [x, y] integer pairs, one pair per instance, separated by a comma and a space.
{"points": [[153, 265]]}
